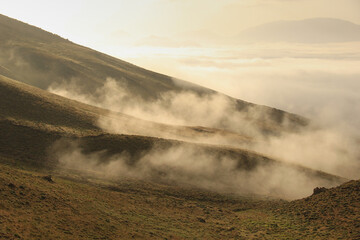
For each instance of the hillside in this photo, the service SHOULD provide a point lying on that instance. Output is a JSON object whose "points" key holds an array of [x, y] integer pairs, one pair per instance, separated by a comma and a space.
{"points": [[69, 170], [66, 129], [315, 30], [41, 59], [28, 113]]}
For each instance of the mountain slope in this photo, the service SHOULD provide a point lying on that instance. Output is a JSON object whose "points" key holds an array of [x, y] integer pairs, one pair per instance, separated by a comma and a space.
{"points": [[39, 128], [316, 30], [41, 59]]}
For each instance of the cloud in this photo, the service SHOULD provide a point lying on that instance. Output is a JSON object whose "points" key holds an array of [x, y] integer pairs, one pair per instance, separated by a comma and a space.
{"points": [[211, 110], [157, 41], [330, 150], [193, 167], [315, 81]]}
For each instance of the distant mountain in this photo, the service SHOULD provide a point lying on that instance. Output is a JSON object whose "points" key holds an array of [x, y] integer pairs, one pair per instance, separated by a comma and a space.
{"points": [[315, 30]]}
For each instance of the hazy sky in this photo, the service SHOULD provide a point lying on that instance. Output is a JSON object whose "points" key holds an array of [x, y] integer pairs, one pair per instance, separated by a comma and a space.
{"points": [[87, 21]]}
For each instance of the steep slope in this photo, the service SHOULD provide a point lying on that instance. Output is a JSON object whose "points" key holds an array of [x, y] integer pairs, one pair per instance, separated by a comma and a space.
{"points": [[38, 58], [316, 30]]}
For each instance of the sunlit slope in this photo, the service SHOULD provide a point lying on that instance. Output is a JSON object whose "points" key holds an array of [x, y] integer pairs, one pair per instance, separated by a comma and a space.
{"points": [[33, 56], [29, 105]]}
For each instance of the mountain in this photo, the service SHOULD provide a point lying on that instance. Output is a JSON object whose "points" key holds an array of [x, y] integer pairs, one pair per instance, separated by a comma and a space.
{"points": [[41, 59], [64, 175], [37, 59], [315, 30]]}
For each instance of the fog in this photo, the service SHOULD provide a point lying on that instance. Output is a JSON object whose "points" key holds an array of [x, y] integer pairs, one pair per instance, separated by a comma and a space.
{"points": [[185, 108], [320, 82], [191, 166]]}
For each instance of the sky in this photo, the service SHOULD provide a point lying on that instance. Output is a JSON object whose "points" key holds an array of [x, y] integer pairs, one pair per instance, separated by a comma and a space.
{"points": [[87, 21], [188, 39]]}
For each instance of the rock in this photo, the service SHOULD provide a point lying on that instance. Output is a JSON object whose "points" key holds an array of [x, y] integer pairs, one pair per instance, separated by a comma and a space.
{"points": [[48, 178], [201, 220], [240, 209]]}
